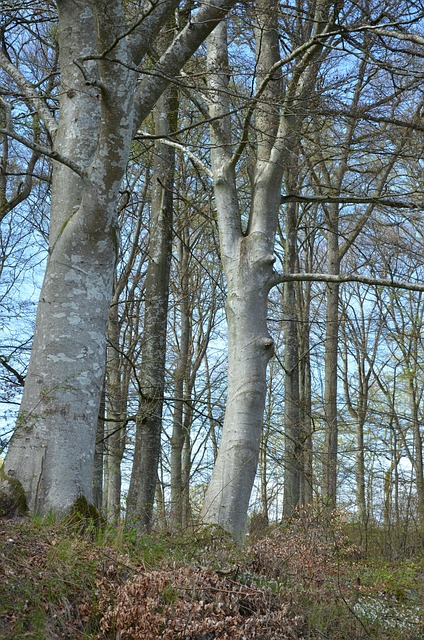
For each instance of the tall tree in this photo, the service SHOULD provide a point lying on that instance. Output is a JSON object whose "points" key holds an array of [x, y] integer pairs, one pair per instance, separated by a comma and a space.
{"points": [[103, 101], [152, 378], [361, 329], [248, 254], [293, 450]]}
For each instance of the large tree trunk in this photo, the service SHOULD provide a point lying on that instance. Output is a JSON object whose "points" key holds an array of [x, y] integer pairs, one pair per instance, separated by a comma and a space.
{"points": [[101, 106], [249, 350], [53, 446]]}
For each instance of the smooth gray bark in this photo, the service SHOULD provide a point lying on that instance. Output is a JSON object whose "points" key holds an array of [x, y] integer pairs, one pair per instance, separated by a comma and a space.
{"points": [[248, 267], [248, 257], [101, 107]]}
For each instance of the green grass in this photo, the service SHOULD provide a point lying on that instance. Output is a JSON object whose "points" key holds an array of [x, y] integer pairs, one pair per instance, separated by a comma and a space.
{"points": [[48, 580], [58, 581]]}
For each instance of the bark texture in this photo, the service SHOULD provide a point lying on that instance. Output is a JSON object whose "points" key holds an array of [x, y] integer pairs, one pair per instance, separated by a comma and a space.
{"points": [[53, 447], [248, 257], [102, 104], [141, 492]]}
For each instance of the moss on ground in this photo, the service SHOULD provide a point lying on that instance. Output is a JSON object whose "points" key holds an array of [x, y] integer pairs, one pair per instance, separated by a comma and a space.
{"points": [[12, 497]]}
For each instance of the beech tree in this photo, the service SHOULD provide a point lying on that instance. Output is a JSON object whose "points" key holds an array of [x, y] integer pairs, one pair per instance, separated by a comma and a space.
{"points": [[361, 332], [273, 140], [107, 89], [248, 253]]}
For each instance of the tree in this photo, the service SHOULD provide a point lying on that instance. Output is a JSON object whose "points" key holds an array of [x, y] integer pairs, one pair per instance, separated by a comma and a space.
{"points": [[292, 419], [152, 379], [248, 254], [103, 101], [361, 331]]}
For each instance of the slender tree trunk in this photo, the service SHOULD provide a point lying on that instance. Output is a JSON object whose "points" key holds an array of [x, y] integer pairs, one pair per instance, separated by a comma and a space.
{"points": [[361, 500], [388, 498], [160, 520], [307, 479], [116, 410], [305, 391], [418, 447], [264, 453], [142, 487], [330, 364], [335, 256], [98, 465], [210, 404], [366, 354], [186, 518], [396, 456], [180, 377], [292, 425]]}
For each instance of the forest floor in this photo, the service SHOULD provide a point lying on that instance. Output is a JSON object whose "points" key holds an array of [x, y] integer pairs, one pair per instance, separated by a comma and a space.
{"points": [[309, 579]]}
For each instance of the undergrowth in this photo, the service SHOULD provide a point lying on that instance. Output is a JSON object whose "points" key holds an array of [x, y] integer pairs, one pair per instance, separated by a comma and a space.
{"points": [[306, 579]]}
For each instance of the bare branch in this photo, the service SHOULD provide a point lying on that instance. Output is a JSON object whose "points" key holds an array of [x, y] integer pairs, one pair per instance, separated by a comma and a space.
{"points": [[302, 50], [29, 93], [176, 145], [20, 379], [326, 199], [179, 52], [398, 35], [279, 278], [45, 151]]}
